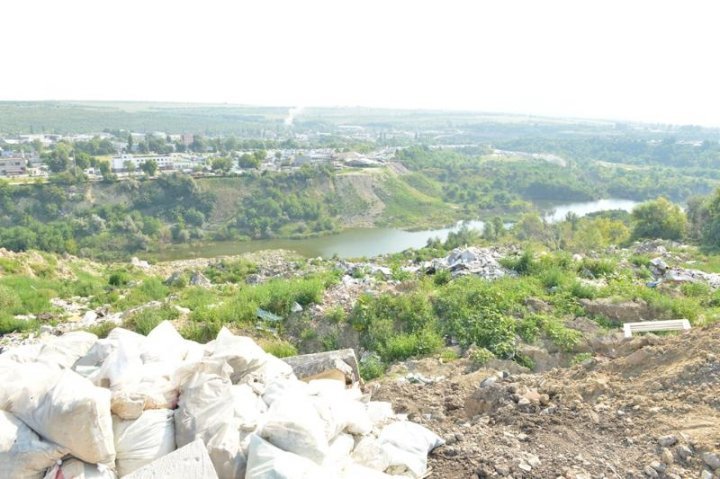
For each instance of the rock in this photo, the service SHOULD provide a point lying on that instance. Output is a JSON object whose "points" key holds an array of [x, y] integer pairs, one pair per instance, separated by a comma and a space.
{"points": [[199, 279], [296, 308], [138, 263], [536, 305], [650, 472], [89, 318], [711, 459], [706, 474], [666, 456], [667, 441], [683, 452], [340, 364], [183, 311], [622, 311], [253, 279], [190, 461]]}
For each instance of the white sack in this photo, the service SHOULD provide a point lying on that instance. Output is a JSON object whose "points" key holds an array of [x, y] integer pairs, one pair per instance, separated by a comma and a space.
{"points": [[266, 461], [65, 350], [408, 444], [22, 453], [143, 440], [369, 453], [65, 408], [75, 469], [240, 352], [295, 425]]}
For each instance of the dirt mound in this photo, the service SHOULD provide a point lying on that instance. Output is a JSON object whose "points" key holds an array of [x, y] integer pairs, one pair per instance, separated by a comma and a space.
{"points": [[654, 411]]}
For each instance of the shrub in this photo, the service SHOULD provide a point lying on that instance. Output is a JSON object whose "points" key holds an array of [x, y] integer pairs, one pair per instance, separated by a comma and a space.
{"points": [[336, 315], [8, 324], [695, 290], [146, 319], [278, 348], [524, 264], [597, 267], [564, 338], [403, 346], [371, 368], [201, 332], [640, 260], [449, 354], [580, 358], [480, 356], [118, 279], [227, 271], [583, 291], [9, 299], [442, 277], [102, 329], [553, 278]]}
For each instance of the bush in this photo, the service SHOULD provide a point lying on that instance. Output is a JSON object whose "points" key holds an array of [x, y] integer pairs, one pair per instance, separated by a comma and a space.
{"points": [[227, 271], [278, 348], [583, 291], [442, 277], [480, 356], [695, 290], [554, 278], [403, 346], [371, 368], [336, 315], [8, 324], [524, 264], [597, 267], [9, 299], [102, 329], [146, 319], [118, 279], [201, 332]]}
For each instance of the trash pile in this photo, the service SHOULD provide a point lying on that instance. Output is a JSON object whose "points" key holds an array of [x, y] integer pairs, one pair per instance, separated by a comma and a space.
{"points": [[162, 406], [482, 262], [662, 272]]}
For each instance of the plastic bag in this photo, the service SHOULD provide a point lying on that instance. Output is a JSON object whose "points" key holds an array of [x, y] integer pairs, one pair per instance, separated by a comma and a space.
{"points": [[22, 453], [240, 352], [143, 440], [164, 345], [295, 425], [65, 350], [65, 408], [407, 444], [75, 469], [266, 461]]}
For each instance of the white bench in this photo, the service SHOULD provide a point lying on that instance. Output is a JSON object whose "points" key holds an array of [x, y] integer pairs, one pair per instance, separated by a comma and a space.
{"points": [[647, 326]]}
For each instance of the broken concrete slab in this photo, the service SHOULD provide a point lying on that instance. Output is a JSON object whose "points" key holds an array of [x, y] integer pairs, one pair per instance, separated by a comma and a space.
{"points": [[190, 462], [328, 365]]}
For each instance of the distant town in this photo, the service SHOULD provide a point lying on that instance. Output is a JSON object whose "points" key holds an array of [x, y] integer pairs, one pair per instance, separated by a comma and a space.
{"points": [[101, 155]]}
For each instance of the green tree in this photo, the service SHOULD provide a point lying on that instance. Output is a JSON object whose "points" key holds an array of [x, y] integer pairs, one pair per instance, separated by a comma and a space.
{"points": [[129, 166], [222, 164], [659, 219], [149, 167]]}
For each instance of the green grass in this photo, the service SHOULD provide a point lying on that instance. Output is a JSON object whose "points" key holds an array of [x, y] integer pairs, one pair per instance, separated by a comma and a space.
{"points": [[146, 319]]}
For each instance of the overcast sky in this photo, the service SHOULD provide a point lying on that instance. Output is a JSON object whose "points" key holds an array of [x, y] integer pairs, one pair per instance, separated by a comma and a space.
{"points": [[629, 59]]}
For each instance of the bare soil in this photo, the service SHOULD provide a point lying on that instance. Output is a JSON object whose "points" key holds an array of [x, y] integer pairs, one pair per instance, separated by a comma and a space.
{"points": [[601, 419]]}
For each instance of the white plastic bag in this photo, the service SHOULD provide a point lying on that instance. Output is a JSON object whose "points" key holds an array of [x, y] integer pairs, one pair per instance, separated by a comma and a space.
{"points": [[143, 440], [407, 444], [65, 408], [22, 453], [294, 424], [75, 469], [164, 345], [65, 350], [266, 461], [240, 352], [206, 410], [368, 452]]}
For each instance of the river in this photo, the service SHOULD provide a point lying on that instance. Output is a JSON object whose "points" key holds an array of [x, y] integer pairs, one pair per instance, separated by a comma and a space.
{"points": [[367, 241]]}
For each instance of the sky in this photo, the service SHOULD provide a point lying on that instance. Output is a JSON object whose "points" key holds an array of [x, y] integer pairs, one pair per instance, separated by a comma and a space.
{"points": [[654, 61]]}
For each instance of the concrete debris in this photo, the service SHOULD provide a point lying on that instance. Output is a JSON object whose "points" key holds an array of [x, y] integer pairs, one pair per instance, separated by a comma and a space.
{"points": [[199, 279], [138, 263], [160, 406], [481, 262]]}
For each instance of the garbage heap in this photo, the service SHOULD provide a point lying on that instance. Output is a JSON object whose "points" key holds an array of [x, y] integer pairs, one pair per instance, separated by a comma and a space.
{"points": [[160, 406]]}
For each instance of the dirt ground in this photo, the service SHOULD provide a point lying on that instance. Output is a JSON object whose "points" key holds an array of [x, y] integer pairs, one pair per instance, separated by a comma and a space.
{"points": [[652, 411]]}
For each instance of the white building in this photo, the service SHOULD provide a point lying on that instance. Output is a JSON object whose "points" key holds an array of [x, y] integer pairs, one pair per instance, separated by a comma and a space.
{"points": [[118, 163]]}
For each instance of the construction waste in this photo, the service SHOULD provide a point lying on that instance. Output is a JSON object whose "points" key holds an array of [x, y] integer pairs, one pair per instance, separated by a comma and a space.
{"points": [[482, 262], [161, 406]]}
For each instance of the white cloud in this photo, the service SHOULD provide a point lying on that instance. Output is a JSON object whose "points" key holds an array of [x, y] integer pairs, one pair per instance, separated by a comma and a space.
{"points": [[645, 60]]}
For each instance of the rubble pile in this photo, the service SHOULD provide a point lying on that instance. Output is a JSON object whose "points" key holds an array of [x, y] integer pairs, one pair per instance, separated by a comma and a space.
{"points": [[161, 406], [482, 262]]}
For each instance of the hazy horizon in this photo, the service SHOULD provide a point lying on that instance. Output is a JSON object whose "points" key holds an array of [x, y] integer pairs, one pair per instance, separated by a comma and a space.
{"points": [[648, 62]]}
